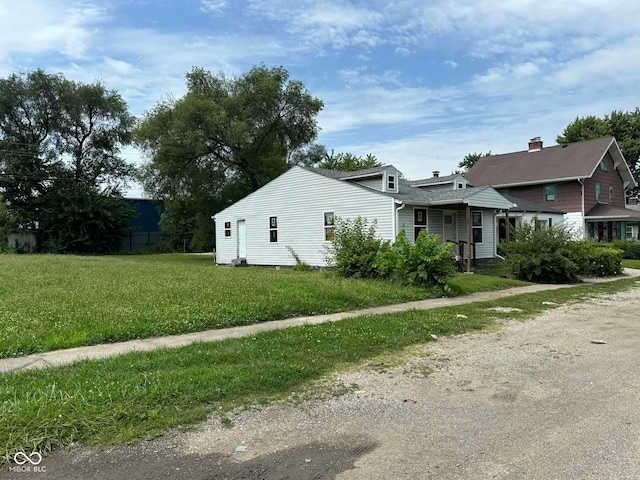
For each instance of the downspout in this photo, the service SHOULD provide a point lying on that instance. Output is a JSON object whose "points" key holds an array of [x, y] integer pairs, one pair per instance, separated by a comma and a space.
{"points": [[584, 220], [396, 220]]}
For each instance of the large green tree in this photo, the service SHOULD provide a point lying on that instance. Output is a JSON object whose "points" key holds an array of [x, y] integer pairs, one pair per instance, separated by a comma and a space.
{"points": [[225, 138], [59, 138], [624, 126]]}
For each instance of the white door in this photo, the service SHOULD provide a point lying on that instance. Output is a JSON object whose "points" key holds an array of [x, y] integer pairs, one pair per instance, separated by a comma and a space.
{"points": [[242, 239]]}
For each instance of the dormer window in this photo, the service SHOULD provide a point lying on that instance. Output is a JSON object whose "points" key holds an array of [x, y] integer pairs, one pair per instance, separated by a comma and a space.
{"points": [[391, 182]]}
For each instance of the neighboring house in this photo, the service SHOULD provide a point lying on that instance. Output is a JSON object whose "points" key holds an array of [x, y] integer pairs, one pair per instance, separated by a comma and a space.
{"points": [[586, 180], [527, 212], [295, 213]]}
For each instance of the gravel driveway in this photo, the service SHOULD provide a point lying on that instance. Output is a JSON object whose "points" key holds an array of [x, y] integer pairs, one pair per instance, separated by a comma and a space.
{"points": [[534, 399]]}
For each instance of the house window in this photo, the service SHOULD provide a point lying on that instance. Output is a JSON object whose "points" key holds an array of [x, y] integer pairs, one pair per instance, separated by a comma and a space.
{"points": [[598, 193], [227, 229], [329, 220], [273, 229], [460, 186], [391, 182], [476, 226], [550, 193], [419, 221], [540, 224], [604, 165], [611, 194]]}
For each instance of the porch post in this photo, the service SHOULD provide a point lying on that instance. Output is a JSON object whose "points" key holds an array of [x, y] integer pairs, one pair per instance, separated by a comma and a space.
{"points": [[469, 238], [507, 225]]}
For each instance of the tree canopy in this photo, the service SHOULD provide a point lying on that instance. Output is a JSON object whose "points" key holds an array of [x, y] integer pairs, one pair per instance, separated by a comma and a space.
{"points": [[60, 147], [470, 159], [225, 138], [348, 162], [624, 126]]}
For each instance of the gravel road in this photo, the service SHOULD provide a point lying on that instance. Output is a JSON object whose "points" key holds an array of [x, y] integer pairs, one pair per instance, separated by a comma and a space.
{"points": [[535, 399]]}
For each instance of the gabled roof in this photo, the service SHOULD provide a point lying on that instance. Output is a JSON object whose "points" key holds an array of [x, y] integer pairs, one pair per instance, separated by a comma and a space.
{"points": [[573, 161], [357, 174], [530, 207], [610, 212], [438, 180], [407, 193]]}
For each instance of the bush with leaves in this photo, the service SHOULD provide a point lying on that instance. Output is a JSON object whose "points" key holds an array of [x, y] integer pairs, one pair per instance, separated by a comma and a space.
{"points": [[596, 259], [630, 248], [357, 252], [427, 263], [355, 248], [541, 255]]}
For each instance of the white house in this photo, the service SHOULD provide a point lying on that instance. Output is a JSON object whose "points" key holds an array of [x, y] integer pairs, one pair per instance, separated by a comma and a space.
{"points": [[295, 213]]}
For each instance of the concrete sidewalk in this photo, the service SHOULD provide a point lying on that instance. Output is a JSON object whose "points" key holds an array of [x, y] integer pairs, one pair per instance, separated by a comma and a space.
{"points": [[62, 357]]}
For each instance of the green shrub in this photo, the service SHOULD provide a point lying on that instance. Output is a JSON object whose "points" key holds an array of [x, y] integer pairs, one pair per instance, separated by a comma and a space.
{"points": [[606, 262], [630, 249], [355, 248], [357, 252], [427, 263], [541, 255], [596, 259]]}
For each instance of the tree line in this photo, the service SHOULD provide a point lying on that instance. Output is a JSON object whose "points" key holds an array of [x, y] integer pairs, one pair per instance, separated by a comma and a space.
{"points": [[63, 175]]}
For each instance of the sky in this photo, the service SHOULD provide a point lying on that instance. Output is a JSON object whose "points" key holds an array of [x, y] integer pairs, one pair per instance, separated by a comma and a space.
{"points": [[417, 83]]}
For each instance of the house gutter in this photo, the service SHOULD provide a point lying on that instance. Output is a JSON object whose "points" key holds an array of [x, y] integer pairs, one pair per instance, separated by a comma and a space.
{"points": [[396, 218], [584, 215]]}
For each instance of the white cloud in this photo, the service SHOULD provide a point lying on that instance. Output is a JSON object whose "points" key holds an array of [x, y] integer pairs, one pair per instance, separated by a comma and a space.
{"points": [[37, 26], [213, 6], [451, 63]]}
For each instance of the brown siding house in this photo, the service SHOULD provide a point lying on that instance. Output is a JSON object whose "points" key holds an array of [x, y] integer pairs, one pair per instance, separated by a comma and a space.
{"points": [[586, 180]]}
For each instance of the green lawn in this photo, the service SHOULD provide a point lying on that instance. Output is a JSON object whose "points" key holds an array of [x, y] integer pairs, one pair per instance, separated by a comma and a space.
{"points": [[50, 302], [140, 395], [631, 263]]}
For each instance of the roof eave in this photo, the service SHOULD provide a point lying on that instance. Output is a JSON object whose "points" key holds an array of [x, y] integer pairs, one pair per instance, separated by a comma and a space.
{"points": [[539, 182]]}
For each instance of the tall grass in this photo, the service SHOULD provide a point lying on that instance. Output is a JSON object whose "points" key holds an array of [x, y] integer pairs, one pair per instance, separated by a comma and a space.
{"points": [[50, 302]]}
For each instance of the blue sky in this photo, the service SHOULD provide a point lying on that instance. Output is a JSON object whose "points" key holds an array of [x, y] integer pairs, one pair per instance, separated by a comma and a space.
{"points": [[417, 83]]}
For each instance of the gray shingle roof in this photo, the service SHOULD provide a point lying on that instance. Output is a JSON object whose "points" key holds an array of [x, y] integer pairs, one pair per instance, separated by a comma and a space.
{"points": [[526, 206], [406, 192], [610, 211]]}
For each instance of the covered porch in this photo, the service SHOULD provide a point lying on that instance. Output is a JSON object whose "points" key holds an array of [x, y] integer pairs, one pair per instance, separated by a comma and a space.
{"points": [[608, 223]]}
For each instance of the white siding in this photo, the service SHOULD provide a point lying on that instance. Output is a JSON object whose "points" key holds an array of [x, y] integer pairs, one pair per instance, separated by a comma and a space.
{"points": [[439, 187], [375, 183], [298, 199], [575, 221], [486, 249], [435, 222], [405, 221]]}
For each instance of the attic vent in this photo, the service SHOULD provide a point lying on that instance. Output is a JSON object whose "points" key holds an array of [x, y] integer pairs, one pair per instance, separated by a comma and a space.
{"points": [[535, 144], [436, 173]]}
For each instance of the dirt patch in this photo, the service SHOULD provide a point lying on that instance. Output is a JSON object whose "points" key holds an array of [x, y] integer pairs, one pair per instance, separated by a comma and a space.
{"points": [[533, 399]]}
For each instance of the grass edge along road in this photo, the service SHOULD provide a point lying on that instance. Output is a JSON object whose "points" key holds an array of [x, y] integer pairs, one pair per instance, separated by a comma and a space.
{"points": [[52, 302], [140, 395]]}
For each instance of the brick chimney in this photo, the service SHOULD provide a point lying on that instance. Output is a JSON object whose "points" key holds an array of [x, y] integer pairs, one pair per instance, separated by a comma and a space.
{"points": [[535, 144], [436, 173]]}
